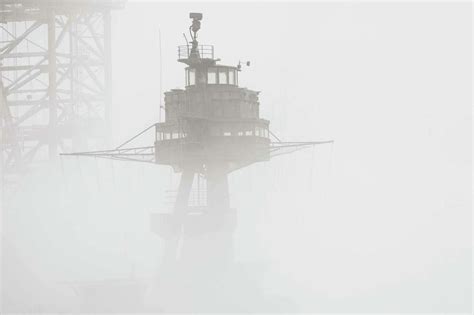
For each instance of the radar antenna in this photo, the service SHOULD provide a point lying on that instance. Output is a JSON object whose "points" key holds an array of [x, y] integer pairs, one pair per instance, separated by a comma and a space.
{"points": [[193, 29]]}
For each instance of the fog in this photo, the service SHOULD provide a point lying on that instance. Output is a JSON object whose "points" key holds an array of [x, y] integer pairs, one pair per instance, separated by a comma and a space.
{"points": [[378, 221]]}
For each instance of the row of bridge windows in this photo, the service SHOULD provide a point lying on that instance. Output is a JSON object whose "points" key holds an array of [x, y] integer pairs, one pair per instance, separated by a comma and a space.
{"points": [[257, 132], [214, 75]]}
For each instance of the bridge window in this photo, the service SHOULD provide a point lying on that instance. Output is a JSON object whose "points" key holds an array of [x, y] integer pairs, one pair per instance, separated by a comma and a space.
{"points": [[223, 76], [212, 76], [238, 130], [169, 135], [192, 77], [232, 77], [261, 132]]}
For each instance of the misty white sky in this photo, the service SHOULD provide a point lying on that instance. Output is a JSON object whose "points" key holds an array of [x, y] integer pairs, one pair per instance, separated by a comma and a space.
{"points": [[390, 83], [381, 220]]}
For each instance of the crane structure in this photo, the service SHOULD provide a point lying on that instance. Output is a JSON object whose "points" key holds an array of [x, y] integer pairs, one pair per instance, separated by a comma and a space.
{"points": [[212, 127], [55, 79]]}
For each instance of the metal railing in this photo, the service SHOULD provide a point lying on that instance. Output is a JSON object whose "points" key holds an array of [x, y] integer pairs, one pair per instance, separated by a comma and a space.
{"points": [[205, 51]]}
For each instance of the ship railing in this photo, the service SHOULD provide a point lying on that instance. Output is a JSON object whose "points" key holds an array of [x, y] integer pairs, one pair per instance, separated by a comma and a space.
{"points": [[205, 51]]}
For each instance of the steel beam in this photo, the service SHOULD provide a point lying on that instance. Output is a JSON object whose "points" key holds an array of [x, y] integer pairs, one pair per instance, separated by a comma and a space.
{"points": [[68, 80]]}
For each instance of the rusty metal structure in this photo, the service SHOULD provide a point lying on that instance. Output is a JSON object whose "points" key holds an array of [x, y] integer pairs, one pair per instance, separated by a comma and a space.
{"points": [[212, 127], [55, 75]]}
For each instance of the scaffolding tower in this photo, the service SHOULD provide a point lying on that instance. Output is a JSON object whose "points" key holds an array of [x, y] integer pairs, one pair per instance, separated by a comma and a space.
{"points": [[55, 79]]}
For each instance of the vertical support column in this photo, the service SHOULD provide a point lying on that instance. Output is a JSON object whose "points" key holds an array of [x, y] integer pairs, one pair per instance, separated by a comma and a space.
{"points": [[217, 244], [217, 188], [179, 211], [107, 71], [184, 190], [52, 71], [79, 143], [3, 140]]}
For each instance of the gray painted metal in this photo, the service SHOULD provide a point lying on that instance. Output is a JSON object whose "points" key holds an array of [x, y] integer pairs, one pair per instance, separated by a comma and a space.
{"points": [[56, 73], [211, 128]]}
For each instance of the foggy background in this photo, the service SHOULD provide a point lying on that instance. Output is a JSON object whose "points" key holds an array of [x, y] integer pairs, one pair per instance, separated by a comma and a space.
{"points": [[380, 221]]}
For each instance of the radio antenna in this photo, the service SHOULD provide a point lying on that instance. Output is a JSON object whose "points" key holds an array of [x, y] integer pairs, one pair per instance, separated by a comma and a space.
{"points": [[161, 77]]}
